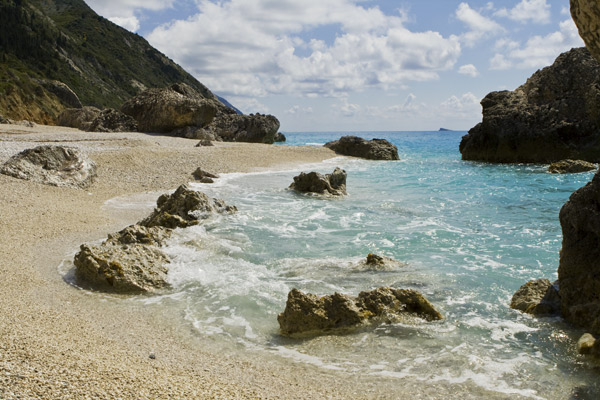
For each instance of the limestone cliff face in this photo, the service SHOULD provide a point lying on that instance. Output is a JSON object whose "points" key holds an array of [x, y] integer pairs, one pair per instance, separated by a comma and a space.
{"points": [[586, 14], [555, 115]]}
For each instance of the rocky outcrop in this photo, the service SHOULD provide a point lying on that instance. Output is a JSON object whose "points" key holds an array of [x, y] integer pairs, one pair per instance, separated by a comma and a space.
{"points": [[537, 297], [62, 91], [555, 115], [91, 119], [579, 267], [333, 184], [184, 208], [127, 262], [204, 176], [586, 14], [376, 149], [571, 167], [51, 165], [375, 262], [175, 107], [253, 128], [309, 314]]}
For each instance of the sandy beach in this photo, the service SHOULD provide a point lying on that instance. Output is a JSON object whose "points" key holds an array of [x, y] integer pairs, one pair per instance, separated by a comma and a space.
{"points": [[60, 342]]}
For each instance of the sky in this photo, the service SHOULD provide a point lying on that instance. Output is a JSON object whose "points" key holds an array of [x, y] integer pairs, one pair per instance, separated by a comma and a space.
{"points": [[355, 65]]}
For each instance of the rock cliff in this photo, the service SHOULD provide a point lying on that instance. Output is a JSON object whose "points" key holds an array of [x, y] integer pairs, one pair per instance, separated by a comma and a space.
{"points": [[586, 14], [555, 115]]}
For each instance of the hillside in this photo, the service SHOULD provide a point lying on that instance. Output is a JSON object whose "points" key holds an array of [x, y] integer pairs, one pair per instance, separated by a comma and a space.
{"points": [[42, 41]]}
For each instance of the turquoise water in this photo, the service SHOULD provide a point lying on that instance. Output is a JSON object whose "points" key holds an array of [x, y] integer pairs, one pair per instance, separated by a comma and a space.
{"points": [[469, 233]]}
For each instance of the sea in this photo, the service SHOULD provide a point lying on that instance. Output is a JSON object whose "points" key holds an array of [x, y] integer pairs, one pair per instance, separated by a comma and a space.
{"points": [[469, 234]]}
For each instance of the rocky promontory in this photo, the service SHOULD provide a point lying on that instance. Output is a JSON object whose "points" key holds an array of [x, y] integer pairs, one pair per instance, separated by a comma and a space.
{"points": [[375, 149], [307, 313], [555, 115]]}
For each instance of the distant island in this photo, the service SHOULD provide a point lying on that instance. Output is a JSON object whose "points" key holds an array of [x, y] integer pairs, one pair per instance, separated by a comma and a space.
{"points": [[446, 130]]}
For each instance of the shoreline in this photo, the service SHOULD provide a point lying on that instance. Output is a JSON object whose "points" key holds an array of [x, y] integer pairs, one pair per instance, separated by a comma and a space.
{"points": [[58, 341]]}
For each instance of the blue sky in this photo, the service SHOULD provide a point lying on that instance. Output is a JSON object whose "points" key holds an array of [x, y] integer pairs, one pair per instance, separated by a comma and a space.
{"points": [[354, 65]]}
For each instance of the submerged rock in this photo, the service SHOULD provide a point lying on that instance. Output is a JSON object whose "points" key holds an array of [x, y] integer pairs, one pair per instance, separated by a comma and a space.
{"points": [[571, 167], [333, 184], [555, 115], [375, 262], [586, 14], [579, 267], [376, 149], [127, 262], [204, 176], [306, 313], [183, 208], [51, 165], [537, 297]]}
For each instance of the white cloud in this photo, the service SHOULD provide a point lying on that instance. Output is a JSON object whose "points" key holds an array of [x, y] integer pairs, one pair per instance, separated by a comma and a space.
{"points": [[130, 23], [538, 51], [298, 110], [255, 48], [468, 69], [537, 11], [123, 12], [481, 27]]}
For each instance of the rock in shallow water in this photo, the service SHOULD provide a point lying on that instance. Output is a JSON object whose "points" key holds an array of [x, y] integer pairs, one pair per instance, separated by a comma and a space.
{"points": [[376, 149], [579, 267], [307, 313], [52, 165], [571, 167], [555, 115], [537, 297], [333, 184]]}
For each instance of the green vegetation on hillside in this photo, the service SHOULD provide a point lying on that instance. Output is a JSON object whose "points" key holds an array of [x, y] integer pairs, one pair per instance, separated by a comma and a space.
{"points": [[67, 41]]}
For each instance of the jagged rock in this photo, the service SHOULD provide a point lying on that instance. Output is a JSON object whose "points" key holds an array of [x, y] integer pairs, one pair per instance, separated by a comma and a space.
{"points": [[579, 267], [555, 115], [571, 167], [168, 109], [376, 149], [51, 165], [62, 91], [280, 137], [330, 184], [204, 176], [537, 297], [127, 262], [306, 313], [185, 208], [253, 128], [79, 118], [586, 14]]}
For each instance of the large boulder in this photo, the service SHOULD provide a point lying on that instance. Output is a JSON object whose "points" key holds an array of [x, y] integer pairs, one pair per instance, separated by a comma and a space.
{"points": [[165, 110], [571, 167], [92, 119], [333, 184], [537, 297], [586, 14], [555, 115], [253, 128], [183, 208], [376, 149], [52, 165], [79, 118], [307, 313], [127, 262], [579, 267]]}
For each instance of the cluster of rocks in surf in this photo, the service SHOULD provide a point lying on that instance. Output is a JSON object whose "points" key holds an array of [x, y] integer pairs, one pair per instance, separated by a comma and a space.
{"points": [[52, 165], [131, 261], [177, 110]]}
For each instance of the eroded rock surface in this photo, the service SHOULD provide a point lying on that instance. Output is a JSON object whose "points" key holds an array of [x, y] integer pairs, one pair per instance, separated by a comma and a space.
{"points": [[579, 268], [333, 184], [537, 297], [375, 149], [307, 313], [52, 165], [555, 115], [586, 14], [127, 262], [571, 167], [183, 208]]}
